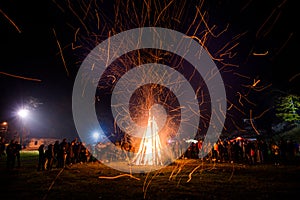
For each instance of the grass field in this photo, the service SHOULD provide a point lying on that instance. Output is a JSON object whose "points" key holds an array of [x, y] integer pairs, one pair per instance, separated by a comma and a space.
{"points": [[185, 179]]}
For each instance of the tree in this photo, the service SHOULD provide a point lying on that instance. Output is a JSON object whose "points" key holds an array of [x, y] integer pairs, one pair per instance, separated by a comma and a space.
{"points": [[288, 108]]}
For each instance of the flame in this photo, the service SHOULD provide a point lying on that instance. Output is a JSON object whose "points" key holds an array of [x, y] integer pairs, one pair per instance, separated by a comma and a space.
{"points": [[150, 150]]}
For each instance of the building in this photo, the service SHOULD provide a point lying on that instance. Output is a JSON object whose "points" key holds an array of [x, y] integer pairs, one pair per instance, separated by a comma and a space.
{"points": [[34, 143]]}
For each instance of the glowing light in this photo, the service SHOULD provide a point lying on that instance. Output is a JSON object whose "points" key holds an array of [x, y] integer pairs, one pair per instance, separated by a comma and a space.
{"points": [[23, 113], [191, 140], [4, 126], [96, 135], [150, 147]]}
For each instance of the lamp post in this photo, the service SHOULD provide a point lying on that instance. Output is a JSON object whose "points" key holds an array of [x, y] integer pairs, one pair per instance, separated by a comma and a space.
{"points": [[22, 113]]}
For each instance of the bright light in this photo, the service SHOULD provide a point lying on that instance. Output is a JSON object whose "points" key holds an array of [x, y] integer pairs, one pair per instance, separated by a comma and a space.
{"points": [[150, 147], [23, 113], [96, 135], [191, 140], [238, 138]]}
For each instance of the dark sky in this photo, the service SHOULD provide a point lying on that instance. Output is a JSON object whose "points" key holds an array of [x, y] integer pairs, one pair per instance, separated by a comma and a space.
{"points": [[31, 50]]}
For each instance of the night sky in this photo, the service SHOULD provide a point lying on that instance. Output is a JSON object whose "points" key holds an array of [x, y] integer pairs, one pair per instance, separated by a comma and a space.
{"points": [[31, 50]]}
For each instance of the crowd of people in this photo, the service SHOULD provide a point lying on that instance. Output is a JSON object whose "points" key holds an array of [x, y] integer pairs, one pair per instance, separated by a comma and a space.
{"points": [[238, 150], [64, 153], [12, 152], [247, 151]]}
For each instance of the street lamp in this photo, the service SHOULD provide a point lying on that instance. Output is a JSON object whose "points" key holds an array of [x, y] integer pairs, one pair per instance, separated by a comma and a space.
{"points": [[96, 136], [23, 114]]}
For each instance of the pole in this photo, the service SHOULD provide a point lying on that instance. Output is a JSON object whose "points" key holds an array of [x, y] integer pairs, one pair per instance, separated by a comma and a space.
{"points": [[21, 133]]}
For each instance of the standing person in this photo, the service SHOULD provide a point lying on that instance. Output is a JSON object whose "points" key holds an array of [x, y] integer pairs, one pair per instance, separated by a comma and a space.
{"points": [[82, 154], [63, 153], [2, 148], [275, 153], [17, 149], [78, 152], [49, 153], [10, 155], [71, 155], [56, 147], [41, 163]]}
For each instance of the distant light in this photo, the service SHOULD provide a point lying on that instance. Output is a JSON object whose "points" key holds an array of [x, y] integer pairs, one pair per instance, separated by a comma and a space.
{"points": [[96, 135], [4, 123], [170, 141], [23, 113], [191, 141]]}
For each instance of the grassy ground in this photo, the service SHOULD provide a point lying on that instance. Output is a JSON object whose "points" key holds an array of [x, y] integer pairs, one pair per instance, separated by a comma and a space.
{"points": [[185, 179]]}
